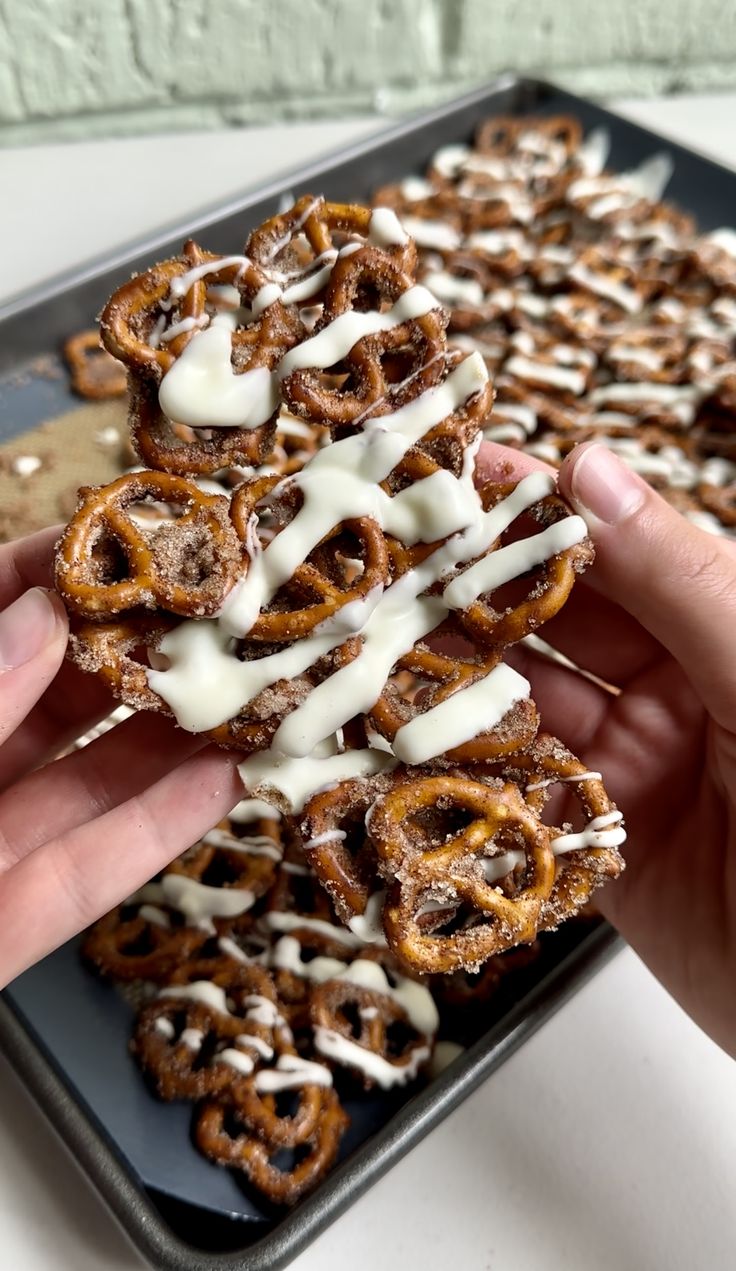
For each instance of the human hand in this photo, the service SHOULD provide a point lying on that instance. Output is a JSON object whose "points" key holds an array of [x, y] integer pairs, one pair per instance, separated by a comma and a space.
{"points": [[80, 834], [656, 615]]}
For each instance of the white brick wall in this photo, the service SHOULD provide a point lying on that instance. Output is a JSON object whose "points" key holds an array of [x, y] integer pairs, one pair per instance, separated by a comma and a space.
{"points": [[73, 68]]}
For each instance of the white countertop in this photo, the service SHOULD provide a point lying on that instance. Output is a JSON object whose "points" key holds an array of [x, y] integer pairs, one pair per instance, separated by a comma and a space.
{"points": [[607, 1143]]}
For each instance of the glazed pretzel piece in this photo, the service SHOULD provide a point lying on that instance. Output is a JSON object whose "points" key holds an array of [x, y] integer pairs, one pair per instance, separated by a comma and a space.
{"points": [[261, 331], [336, 843], [139, 942], [496, 618], [223, 1132], [586, 858], [530, 135], [108, 563], [219, 862], [349, 1018], [435, 677], [320, 585], [382, 370], [196, 1037], [470, 847], [291, 243], [95, 373]]}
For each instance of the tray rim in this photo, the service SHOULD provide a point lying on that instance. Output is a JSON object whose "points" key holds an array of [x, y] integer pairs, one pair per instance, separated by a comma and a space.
{"points": [[129, 1202]]}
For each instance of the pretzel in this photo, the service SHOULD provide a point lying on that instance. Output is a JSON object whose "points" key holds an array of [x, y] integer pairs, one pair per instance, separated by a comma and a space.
{"points": [[345, 1011], [186, 567], [95, 374], [474, 288], [336, 844], [129, 332], [549, 589], [319, 586], [655, 354], [119, 652], [547, 763], [356, 280], [501, 135], [240, 1147], [311, 229], [413, 829], [127, 944], [181, 1056], [221, 860]]}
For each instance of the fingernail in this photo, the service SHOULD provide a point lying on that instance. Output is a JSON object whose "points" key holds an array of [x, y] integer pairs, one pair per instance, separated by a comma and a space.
{"points": [[28, 626], [602, 484]]}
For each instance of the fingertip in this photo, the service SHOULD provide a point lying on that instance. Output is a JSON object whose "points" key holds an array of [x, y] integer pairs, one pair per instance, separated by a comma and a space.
{"points": [[600, 486]]}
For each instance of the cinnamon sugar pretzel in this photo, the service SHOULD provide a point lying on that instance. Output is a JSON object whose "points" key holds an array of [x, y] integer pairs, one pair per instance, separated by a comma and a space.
{"points": [[369, 594]]}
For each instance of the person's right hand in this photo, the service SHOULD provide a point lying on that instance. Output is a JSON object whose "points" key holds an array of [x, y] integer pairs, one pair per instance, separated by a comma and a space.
{"points": [[656, 615]]}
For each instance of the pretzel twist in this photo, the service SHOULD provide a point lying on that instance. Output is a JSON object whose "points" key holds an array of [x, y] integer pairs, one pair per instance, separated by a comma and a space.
{"points": [[185, 567], [320, 586], [411, 828]]}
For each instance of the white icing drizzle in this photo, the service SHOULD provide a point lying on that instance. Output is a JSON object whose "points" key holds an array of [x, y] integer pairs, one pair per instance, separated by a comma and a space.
{"points": [[196, 901], [551, 781], [453, 290], [444, 1053], [164, 1026], [595, 834], [548, 373], [346, 1052], [462, 716], [385, 229], [368, 926], [236, 1059], [278, 920], [255, 845], [296, 780], [192, 1038], [252, 1042], [626, 297], [152, 913], [203, 991], [290, 1072], [495, 867], [437, 234], [329, 836]]}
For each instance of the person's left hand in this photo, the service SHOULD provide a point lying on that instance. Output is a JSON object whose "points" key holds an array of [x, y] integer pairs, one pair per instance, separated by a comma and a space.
{"points": [[80, 834]]}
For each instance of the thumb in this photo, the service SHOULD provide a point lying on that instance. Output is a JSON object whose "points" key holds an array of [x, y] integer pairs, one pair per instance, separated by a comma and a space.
{"points": [[676, 579], [33, 633]]}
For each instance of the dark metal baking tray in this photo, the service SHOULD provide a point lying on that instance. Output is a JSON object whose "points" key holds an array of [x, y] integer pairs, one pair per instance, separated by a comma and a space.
{"points": [[171, 1231]]}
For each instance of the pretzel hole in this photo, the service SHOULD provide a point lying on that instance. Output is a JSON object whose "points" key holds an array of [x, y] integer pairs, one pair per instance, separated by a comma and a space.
{"points": [[203, 1057], [286, 1104], [139, 946], [349, 1014], [223, 870], [440, 824], [460, 919], [287, 1159], [399, 1037], [178, 1021], [108, 561]]}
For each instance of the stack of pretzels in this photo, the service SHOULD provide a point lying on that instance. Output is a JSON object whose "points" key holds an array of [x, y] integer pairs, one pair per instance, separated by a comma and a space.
{"points": [[319, 334]]}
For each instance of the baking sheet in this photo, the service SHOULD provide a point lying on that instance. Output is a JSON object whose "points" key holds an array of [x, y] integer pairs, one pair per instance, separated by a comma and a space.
{"points": [[57, 1059]]}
